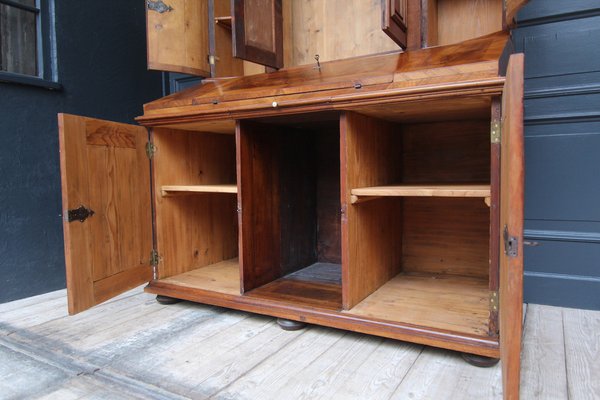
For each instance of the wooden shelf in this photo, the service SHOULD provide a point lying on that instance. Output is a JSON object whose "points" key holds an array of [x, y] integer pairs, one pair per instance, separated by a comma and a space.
{"points": [[174, 190], [368, 193], [222, 277], [448, 302]]}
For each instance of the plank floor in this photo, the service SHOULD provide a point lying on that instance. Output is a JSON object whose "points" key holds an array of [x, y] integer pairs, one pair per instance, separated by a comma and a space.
{"points": [[134, 348]]}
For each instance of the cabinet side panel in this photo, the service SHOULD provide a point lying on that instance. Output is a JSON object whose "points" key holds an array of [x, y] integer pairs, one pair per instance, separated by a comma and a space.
{"points": [[460, 20], [371, 245]]}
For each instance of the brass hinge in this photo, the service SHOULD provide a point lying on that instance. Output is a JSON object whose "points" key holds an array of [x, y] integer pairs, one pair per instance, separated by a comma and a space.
{"points": [[494, 301], [150, 149], [495, 132], [154, 258]]}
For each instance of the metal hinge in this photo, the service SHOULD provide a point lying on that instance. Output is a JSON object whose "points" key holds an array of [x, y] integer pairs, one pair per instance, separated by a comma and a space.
{"points": [[154, 258], [511, 244], [212, 60], [495, 132], [159, 6], [150, 149], [494, 301]]}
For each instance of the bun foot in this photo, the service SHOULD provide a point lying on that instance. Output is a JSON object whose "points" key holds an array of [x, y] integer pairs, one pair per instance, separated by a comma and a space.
{"points": [[166, 300], [289, 325], [480, 361]]}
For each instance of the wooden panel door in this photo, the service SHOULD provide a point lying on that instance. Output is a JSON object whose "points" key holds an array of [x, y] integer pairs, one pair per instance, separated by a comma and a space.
{"points": [[104, 170], [177, 35], [511, 226], [394, 20], [258, 31]]}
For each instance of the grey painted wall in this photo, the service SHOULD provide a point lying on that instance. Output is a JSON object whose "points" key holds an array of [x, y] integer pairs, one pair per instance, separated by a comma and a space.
{"points": [[101, 49], [561, 41]]}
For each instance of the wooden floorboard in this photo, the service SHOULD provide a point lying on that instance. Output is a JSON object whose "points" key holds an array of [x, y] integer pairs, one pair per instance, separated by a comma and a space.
{"points": [[134, 348]]}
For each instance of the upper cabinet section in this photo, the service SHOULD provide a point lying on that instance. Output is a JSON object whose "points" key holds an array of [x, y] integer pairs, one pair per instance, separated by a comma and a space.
{"points": [[258, 31], [226, 38], [177, 33]]}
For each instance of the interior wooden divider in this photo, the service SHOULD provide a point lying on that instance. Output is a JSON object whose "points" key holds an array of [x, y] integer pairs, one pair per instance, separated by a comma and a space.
{"points": [[371, 154], [197, 230]]}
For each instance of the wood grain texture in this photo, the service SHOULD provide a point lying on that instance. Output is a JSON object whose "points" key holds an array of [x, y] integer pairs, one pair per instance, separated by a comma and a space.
{"points": [[424, 191], [582, 353], [258, 193], [494, 203], [316, 28], [438, 301], [109, 252], [225, 64], [221, 277], [194, 231], [394, 20], [446, 235], [173, 190], [258, 31], [447, 152], [371, 232], [544, 354], [483, 16], [511, 217], [303, 293], [475, 344], [178, 39], [333, 83]]}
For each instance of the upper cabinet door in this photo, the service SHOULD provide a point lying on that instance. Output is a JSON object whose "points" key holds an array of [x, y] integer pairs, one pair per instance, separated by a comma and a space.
{"points": [[511, 8], [394, 20], [107, 221], [177, 33], [511, 225], [258, 31]]}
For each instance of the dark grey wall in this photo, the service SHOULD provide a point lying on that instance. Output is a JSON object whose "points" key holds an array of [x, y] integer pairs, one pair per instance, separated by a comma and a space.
{"points": [[101, 49], [561, 41]]}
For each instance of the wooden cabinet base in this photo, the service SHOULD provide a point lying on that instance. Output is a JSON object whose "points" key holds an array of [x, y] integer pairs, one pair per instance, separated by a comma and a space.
{"points": [[481, 345]]}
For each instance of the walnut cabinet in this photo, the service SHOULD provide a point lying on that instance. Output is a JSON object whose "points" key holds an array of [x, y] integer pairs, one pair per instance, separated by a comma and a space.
{"points": [[381, 194]]}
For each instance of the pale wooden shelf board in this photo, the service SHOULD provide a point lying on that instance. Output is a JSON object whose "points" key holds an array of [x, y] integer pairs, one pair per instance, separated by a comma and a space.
{"points": [[173, 190], [222, 277], [450, 302], [369, 193]]}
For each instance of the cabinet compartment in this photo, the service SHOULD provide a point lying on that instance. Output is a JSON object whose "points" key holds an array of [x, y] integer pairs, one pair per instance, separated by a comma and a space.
{"points": [[290, 201], [418, 245], [195, 209]]}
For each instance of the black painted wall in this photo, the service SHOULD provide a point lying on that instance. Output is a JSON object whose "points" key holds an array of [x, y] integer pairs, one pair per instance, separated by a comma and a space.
{"points": [[561, 41], [101, 59]]}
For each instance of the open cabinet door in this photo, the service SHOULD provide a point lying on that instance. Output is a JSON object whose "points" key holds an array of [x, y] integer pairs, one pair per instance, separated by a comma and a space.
{"points": [[107, 219], [511, 8], [258, 31], [511, 225], [394, 20], [177, 36]]}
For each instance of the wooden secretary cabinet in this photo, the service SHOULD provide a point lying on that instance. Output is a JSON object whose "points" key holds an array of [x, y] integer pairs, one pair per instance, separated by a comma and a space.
{"points": [[381, 194]]}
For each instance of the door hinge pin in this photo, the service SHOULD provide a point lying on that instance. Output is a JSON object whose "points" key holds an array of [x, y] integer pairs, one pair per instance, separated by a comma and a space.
{"points": [[150, 149], [495, 132]]}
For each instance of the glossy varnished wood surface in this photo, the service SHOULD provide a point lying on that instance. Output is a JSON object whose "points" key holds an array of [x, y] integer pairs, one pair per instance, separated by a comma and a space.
{"points": [[104, 168], [446, 302], [512, 188], [174, 190], [333, 86]]}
